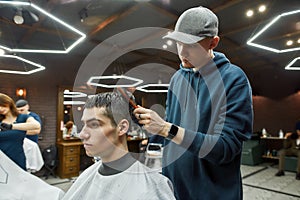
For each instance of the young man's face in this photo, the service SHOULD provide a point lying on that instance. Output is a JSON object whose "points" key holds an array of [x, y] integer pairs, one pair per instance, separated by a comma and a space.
{"points": [[98, 135], [194, 55], [23, 109]]}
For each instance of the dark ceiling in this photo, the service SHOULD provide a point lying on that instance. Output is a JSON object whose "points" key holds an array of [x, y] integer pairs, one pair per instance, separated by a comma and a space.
{"points": [[118, 27]]}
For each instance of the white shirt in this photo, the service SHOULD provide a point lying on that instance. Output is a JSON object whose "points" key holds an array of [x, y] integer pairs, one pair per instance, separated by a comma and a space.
{"points": [[34, 158], [73, 132], [137, 182]]}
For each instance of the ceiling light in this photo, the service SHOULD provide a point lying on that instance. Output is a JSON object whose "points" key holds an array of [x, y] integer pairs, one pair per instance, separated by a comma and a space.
{"points": [[289, 42], [18, 18], [165, 46], [289, 66], [298, 41], [39, 67], [251, 43], [169, 42], [262, 8], [155, 85], [82, 36], [249, 13], [2, 52], [68, 94], [137, 81], [74, 102]]}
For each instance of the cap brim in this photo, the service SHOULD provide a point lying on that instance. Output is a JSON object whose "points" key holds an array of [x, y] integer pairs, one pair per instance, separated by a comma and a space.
{"points": [[183, 37]]}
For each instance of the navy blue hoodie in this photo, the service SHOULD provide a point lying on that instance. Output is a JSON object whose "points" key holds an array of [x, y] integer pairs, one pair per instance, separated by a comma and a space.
{"points": [[214, 105]]}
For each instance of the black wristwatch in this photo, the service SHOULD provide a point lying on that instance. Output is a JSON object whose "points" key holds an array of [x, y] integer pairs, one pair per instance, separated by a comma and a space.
{"points": [[172, 132]]}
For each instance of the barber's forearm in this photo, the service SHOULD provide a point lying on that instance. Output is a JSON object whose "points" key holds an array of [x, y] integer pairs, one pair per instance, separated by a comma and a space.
{"points": [[33, 132], [26, 126], [165, 132]]}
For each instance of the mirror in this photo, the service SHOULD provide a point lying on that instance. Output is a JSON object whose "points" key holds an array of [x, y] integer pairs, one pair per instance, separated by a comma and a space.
{"points": [[70, 107]]}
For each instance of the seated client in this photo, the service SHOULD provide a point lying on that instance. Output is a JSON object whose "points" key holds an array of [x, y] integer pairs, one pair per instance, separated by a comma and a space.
{"points": [[291, 147], [118, 175]]}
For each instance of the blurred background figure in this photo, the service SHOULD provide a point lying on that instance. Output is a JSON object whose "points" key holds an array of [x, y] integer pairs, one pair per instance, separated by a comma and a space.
{"points": [[291, 147], [70, 130], [23, 108], [13, 127]]}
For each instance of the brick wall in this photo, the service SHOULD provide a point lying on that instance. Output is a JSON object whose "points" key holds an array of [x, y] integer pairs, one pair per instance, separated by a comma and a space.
{"points": [[274, 115]]}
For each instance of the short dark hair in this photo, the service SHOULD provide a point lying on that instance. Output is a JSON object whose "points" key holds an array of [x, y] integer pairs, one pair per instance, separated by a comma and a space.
{"points": [[116, 106]]}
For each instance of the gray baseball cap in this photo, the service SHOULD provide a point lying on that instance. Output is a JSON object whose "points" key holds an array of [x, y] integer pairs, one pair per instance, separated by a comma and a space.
{"points": [[194, 25], [21, 102]]}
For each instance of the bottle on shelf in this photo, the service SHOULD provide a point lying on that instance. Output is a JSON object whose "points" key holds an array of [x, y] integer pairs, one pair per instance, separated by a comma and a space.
{"points": [[264, 132], [281, 134]]}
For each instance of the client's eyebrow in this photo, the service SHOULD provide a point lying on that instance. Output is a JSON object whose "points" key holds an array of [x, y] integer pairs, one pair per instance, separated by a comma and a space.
{"points": [[89, 120]]}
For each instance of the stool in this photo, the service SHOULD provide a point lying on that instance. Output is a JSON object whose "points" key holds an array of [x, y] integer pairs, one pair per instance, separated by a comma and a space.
{"points": [[291, 163]]}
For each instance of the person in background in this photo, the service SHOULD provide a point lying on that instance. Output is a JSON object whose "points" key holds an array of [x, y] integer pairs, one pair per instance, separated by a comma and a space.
{"points": [[70, 130], [13, 127], [291, 147], [208, 114], [23, 108], [117, 175]]}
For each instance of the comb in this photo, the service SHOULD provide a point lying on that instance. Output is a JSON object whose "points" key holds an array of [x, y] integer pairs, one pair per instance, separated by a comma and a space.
{"points": [[123, 93]]}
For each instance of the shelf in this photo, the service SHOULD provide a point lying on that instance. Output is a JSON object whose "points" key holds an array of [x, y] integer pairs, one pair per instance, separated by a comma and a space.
{"points": [[270, 157], [272, 138]]}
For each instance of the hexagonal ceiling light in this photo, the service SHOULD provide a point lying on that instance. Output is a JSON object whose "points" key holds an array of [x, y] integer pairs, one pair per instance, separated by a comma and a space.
{"points": [[69, 94], [73, 95], [154, 85], [290, 65], [37, 8], [251, 43], [114, 77], [39, 67]]}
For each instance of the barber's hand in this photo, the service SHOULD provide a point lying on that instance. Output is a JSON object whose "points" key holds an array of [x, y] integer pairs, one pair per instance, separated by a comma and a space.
{"points": [[288, 135], [5, 126], [152, 122]]}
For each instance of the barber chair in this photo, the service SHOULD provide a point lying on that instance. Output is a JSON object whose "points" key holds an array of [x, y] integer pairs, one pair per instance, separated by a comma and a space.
{"points": [[50, 160]]}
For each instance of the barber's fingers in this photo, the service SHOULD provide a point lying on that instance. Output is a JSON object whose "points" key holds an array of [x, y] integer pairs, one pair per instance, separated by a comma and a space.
{"points": [[141, 110], [141, 116], [144, 121]]}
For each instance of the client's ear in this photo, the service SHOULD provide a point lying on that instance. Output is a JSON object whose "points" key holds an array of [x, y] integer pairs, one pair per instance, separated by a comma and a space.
{"points": [[123, 127]]}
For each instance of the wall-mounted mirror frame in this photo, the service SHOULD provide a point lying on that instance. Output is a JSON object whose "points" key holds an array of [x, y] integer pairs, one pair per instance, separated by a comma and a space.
{"points": [[65, 113]]}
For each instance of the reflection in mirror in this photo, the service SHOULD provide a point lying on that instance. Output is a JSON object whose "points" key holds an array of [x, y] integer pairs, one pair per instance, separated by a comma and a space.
{"points": [[73, 103]]}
